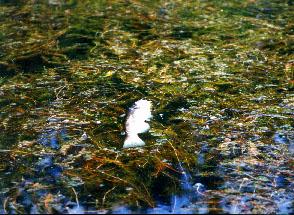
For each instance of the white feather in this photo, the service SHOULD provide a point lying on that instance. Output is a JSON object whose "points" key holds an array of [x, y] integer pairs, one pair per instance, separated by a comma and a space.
{"points": [[136, 123]]}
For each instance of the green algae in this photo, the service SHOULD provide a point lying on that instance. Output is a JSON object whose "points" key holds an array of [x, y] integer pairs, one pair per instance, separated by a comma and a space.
{"points": [[219, 74]]}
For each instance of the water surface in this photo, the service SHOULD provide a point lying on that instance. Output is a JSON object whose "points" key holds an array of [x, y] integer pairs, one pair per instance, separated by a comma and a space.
{"points": [[220, 78]]}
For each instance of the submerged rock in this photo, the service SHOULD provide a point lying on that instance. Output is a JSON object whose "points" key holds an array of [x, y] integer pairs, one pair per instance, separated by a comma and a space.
{"points": [[136, 123]]}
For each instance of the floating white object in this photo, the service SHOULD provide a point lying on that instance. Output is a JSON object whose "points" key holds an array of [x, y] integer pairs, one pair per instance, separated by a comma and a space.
{"points": [[136, 123], [84, 136]]}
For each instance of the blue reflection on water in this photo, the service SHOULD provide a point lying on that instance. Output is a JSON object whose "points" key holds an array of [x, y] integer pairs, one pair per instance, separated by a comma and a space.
{"points": [[44, 162], [121, 210], [34, 210], [74, 208], [186, 203], [47, 171], [51, 137], [54, 171], [201, 159], [284, 202], [280, 138], [47, 167]]}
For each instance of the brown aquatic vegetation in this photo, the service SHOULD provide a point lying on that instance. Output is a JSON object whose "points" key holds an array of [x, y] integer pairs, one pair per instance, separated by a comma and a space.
{"points": [[219, 75]]}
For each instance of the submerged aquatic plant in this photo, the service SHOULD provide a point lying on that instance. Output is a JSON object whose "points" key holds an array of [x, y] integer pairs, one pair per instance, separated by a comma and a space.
{"points": [[219, 74]]}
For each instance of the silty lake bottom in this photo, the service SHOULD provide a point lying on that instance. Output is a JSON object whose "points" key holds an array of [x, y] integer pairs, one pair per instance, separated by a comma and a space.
{"points": [[218, 73]]}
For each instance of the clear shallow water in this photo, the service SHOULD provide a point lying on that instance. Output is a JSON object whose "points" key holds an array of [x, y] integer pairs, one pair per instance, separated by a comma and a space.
{"points": [[220, 76]]}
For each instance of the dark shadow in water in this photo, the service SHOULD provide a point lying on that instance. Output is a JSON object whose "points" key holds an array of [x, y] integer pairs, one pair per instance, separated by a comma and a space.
{"points": [[188, 201]]}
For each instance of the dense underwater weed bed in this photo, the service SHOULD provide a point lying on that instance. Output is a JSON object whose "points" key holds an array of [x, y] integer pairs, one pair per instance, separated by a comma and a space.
{"points": [[220, 76]]}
